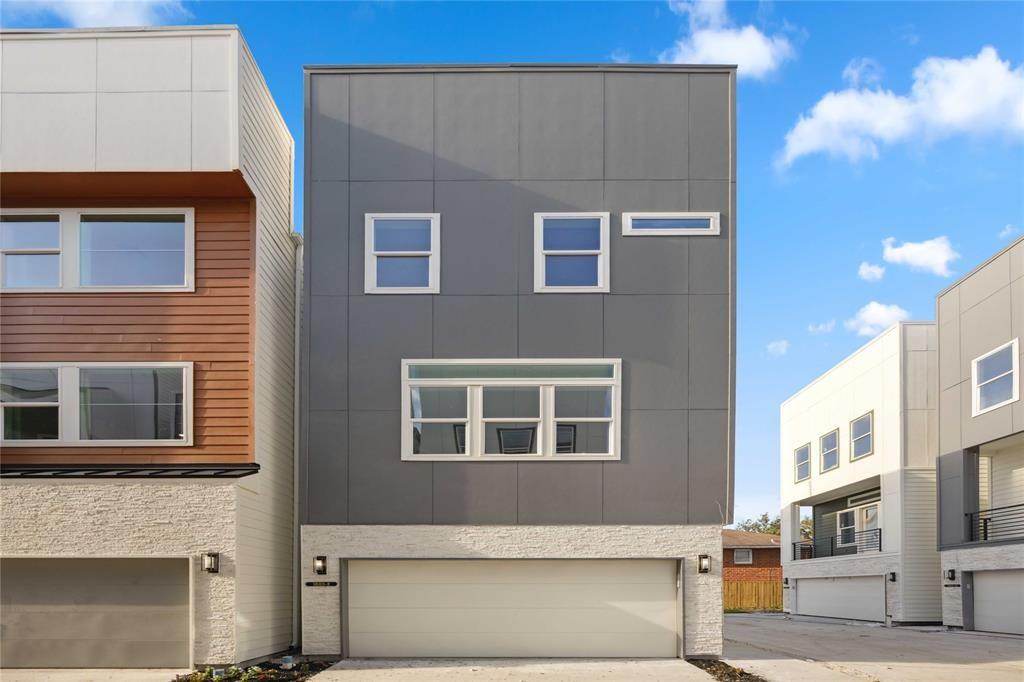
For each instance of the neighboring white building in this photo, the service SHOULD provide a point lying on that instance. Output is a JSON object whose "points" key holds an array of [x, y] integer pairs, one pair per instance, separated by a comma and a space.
{"points": [[858, 451]]}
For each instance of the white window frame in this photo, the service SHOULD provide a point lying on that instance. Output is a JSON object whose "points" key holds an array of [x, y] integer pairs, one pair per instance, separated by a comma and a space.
{"points": [[976, 409], [70, 406], [854, 457], [70, 224], [858, 521], [539, 262], [546, 433], [736, 556], [58, 250], [822, 451], [629, 231], [797, 463], [433, 256]]}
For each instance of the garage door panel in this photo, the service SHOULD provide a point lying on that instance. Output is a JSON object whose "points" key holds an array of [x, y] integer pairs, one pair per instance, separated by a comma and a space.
{"points": [[95, 653], [506, 620], [497, 595], [532, 571], [999, 601], [486, 645], [130, 625], [859, 597]]}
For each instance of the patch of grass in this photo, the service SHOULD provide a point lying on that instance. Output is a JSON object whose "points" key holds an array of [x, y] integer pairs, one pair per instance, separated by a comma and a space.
{"points": [[723, 672]]}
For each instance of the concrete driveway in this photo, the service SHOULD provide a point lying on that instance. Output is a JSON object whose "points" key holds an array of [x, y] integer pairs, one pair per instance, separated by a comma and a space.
{"points": [[512, 669], [803, 649]]}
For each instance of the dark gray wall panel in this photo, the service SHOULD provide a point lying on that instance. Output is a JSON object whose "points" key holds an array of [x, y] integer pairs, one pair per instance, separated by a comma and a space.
{"points": [[561, 127], [392, 135], [646, 126], [384, 330], [560, 492], [477, 126], [328, 238], [649, 484], [476, 326], [708, 490], [327, 489], [561, 326], [710, 104], [480, 232], [328, 353], [710, 257], [483, 492], [708, 352], [649, 333], [383, 488], [328, 127]]}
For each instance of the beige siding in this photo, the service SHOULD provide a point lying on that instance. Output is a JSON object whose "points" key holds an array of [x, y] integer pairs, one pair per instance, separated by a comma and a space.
{"points": [[984, 482], [266, 511], [1007, 477], [922, 599]]}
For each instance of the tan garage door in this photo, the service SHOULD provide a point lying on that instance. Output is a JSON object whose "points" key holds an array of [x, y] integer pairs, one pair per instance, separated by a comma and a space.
{"points": [[523, 608], [94, 613], [999, 601], [859, 598]]}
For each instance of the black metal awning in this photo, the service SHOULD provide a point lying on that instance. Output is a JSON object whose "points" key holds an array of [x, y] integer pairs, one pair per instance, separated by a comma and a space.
{"points": [[127, 470]]}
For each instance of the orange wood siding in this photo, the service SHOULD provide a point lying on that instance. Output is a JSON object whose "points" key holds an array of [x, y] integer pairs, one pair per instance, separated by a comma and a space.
{"points": [[212, 327]]}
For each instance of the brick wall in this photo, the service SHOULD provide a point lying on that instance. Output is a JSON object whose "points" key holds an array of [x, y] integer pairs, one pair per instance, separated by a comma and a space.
{"points": [[763, 557], [751, 573]]}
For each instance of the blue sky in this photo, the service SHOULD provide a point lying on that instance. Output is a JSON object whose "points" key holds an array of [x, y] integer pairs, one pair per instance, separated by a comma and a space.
{"points": [[921, 139]]}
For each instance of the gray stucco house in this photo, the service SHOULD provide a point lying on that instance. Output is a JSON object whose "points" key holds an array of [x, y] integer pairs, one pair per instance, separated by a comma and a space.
{"points": [[518, 374], [981, 446]]}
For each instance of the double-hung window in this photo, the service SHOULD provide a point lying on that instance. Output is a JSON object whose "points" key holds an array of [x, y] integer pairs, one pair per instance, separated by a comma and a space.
{"points": [[802, 460], [854, 527], [403, 253], [506, 410], [862, 438], [670, 224], [829, 450], [109, 249], [96, 403], [995, 379], [570, 252]]}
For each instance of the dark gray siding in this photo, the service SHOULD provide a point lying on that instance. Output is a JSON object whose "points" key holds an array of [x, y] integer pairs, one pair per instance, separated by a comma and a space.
{"points": [[486, 149]]}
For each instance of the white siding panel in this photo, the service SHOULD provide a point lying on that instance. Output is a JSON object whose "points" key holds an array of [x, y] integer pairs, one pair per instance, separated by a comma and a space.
{"points": [[1007, 478], [922, 596]]}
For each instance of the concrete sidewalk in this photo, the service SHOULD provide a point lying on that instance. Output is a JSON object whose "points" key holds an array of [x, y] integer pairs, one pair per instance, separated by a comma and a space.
{"points": [[551, 670], [801, 649]]}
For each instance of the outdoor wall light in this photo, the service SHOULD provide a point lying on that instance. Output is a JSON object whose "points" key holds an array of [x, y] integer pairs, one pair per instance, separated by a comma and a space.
{"points": [[950, 574], [704, 563], [892, 576], [320, 565], [785, 582], [211, 562]]}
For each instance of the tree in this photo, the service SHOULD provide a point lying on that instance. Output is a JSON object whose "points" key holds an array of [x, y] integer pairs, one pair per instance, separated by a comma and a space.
{"points": [[762, 524]]}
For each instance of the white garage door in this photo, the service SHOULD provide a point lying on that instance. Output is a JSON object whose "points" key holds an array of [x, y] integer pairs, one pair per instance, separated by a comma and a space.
{"points": [[523, 608], [999, 601], [860, 598]]}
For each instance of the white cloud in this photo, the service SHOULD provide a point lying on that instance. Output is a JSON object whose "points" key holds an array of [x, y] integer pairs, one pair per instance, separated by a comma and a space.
{"points": [[620, 56], [869, 272], [86, 13], [978, 95], [876, 317], [778, 348], [1008, 231], [822, 327], [932, 255], [714, 40], [862, 71]]}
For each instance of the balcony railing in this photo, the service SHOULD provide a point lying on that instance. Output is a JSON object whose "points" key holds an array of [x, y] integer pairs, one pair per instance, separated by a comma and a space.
{"points": [[1000, 523], [839, 545]]}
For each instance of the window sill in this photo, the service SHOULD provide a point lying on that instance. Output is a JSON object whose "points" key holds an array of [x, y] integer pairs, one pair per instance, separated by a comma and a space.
{"points": [[95, 443], [511, 458]]}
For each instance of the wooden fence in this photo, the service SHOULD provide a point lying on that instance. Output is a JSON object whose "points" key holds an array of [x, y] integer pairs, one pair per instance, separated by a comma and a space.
{"points": [[752, 595]]}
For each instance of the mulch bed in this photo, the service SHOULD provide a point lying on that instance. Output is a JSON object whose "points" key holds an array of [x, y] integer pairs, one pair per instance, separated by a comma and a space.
{"points": [[265, 672], [723, 672]]}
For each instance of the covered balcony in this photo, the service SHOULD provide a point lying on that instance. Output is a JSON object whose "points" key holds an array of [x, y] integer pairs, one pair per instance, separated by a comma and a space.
{"points": [[843, 522], [999, 514]]}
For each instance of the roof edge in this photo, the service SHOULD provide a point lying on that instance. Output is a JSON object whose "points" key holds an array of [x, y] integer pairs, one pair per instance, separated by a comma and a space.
{"points": [[979, 266], [118, 29], [514, 66]]}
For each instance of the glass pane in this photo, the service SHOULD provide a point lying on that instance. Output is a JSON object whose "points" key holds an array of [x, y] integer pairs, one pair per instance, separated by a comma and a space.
{"points": [[995, 364], [870, 518], [803, 470], [23, 270], [830, 460], [130, 403], [803, 454], [572, 234], [438, 438], [671, 223], [583, 401], [511, 402], [132, 268], [29, 232], [830, 441], [132, 250], [403, 271], [570, 271], [995, 392], [846, 518], [861, 446], [512, 371], [162, 421], [587, 437], [28, 385], [437, 403], [509, 438], [861, 426], [401, 234], [31, 423]]}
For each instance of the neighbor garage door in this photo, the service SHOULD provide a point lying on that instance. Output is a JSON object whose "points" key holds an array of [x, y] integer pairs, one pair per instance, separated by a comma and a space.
{"points": [[94, 613], [518, 608], [999, 601], [860, 598]]}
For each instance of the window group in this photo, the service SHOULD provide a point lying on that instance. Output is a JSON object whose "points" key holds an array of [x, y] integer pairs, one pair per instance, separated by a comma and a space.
{"points": [[861, 445]]}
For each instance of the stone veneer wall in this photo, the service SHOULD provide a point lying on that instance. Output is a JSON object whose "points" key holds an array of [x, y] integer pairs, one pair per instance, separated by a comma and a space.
{"points": [[846, 566], [702, 593], [135, 518], [986, 558]]}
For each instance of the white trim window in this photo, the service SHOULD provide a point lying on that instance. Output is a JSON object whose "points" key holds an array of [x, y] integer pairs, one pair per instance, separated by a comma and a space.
{"points": [[511, 410], [403, 253], [48, 404], [852, 523], [829, 448], [570, 252], [677, 223], [995, 379], [97, 249], [742, 556], [862, 436], [802, 462]]}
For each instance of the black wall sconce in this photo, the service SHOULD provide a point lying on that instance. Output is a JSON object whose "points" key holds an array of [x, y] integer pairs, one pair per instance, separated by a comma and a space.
{"points": [[950, 574], [892, 576], [704, 563], [211, 562], [320, 565], [785, 582]]}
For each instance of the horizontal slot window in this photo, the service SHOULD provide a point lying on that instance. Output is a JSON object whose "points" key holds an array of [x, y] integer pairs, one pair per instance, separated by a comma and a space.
{"points": [[668, 224]]}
